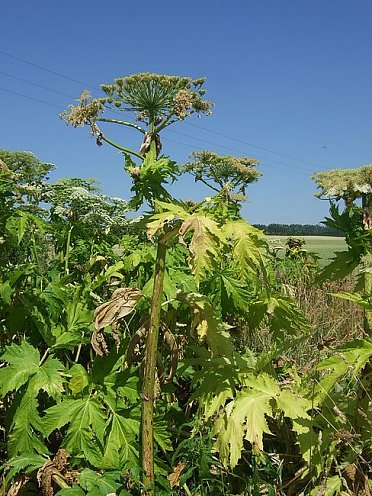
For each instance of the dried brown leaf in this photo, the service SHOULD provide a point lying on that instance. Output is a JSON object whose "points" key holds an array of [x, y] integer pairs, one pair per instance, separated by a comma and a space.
{"points": [[3, 166], [175, 476], [18, 485], [137, 337], [99, 344], [60, 460], [351, 471], [55, 467], [171, 342], [146, 144], [121, 304]]}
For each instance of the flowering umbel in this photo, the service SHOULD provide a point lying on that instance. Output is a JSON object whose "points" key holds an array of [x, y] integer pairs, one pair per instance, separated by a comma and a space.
{"points": [[85, 112], [348, 184], [156, 100], [224, 171], [152, 97], [157, 96]]}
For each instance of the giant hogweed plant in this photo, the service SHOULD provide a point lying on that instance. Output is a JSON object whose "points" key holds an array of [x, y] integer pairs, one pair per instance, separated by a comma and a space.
{"points": [[226, 258]]}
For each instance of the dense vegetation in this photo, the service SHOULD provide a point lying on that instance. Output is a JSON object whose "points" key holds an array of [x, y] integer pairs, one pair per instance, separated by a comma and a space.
{"points": [[174, 353], [298, 230]]}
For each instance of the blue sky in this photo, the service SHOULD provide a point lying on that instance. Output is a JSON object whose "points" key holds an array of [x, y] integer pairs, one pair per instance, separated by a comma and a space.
{"points": [[291, 81]]}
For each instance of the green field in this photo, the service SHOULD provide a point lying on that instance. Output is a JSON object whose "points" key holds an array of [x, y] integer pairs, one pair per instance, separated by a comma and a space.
{"points": [[324, 246]]}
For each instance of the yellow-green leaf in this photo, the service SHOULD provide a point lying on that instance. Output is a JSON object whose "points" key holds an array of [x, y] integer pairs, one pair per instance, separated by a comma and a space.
{"points": [[205, 244]]}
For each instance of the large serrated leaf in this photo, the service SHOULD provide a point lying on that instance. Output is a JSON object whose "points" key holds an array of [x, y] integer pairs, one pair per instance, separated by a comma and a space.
{"points": [[79, 378], [26, 463], [86, 419], [293, 405], [158, 222], [350, 357], [104, 483], [245, 419], [119, 442], [244, 416], [246, 243], [23, 362], [205, 244], [49, 378], [25, 428], [285, 315], [207, 325], [342, 264]]}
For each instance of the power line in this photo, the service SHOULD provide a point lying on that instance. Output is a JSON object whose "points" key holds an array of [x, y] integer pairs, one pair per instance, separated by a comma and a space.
{"points": [[31, 98], [252, 145], [42, 68], [36, 84], [50, 89], [230, 148], [303, 173]]}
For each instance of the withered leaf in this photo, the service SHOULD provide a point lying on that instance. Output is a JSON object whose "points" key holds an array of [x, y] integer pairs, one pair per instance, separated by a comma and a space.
{"points": [[55, 467], [137, 337], [351, 471], [174, 477], [99, 344], [60, 460], [173, 353], [17, 486], [146, 144], [3, 166], [122, 303]]}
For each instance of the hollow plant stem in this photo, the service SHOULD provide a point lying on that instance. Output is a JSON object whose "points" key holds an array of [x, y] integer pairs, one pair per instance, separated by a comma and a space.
{"points": [[147, 428], [151, 350]]}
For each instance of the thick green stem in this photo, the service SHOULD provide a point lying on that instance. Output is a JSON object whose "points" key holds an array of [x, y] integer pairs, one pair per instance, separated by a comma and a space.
{"points": [[147, 429], [116, 145], [58, 479], [123, 123], [149, 374]]}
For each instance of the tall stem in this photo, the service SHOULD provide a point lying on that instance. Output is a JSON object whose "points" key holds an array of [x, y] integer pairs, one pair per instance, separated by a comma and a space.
{"points": [[147, 429], [151, 350]]}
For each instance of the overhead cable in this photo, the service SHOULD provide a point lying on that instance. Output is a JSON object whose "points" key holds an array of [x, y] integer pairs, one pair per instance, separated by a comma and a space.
{"points": [[31, 98], [252, 145], [303, 173], [42, 68]]}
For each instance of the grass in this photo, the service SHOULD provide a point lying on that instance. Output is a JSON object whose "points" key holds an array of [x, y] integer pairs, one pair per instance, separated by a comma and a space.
{"points": [[334, 321], [324, 246]]}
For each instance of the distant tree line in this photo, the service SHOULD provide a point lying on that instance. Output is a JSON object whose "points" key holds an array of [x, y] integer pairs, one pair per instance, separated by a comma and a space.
{"points": [[298, 230]]}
